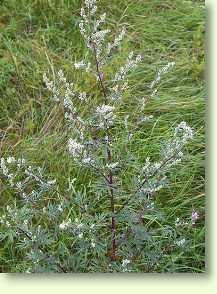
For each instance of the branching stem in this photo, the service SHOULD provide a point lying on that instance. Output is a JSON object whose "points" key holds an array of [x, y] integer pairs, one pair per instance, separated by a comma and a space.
{"points": [[109, 158], [146, 179], [62, 269]]}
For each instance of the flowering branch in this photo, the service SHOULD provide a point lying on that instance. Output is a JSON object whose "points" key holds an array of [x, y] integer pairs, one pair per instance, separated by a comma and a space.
{"points": [[40, 248], [109, 157]]}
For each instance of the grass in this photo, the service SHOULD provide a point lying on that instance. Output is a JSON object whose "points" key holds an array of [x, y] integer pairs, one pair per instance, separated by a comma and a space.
{"points": [[40, 36]]}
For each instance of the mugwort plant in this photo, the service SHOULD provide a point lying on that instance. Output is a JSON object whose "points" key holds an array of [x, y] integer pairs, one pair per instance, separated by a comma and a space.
{"points": [[101, 228]]}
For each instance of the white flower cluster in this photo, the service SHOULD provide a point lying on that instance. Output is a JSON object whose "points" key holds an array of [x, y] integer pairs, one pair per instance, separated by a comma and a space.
{"points": [[173, 150], [153, 185], [150, 206], [75, 148], [90, 3], [65, 225], [117, 41], [153, 175], [104, 109], [66, 94], [161, 72], [125, 263], [180, 242], [12, 169], [55, 87], [51, 87], [118, 90], [180, 223], [7, 164], [95, 38], [157, 79], [106, 115], [82, 65], [4, 167], [79, 152], [16, 217], [6, 218], [64, 90], [185, 131], [129, 65], [79, 229], [99, 21], [67, 91], [112, 165], [82, 96], [149, 167], [144, 119], [94, 35]]}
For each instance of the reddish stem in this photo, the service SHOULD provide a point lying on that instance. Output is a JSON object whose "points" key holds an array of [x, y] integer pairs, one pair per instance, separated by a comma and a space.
{"points": [[109, 157], [113, 224]]}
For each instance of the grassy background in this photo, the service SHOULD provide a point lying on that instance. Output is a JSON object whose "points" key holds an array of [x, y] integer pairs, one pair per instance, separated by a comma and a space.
{"points": [[38, 36]]}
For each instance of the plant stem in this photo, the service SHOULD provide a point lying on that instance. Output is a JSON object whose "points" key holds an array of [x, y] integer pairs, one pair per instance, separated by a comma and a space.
{"points": [[108, 148], [113, 224], [109, 158]]}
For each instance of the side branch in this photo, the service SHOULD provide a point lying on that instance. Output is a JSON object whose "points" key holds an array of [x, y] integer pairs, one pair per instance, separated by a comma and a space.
{"points": [[146, 179], [41, 248]]}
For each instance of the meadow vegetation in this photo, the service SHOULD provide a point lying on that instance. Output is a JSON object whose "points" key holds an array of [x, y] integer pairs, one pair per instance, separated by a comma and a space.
{"points": [[38, 37]]}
